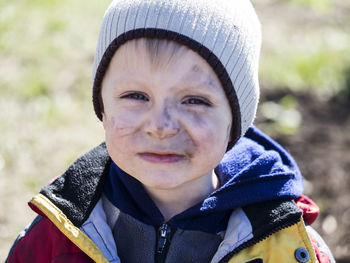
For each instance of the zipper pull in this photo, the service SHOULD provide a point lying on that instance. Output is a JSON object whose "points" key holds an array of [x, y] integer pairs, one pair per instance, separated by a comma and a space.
{"points": [[163, 234]]}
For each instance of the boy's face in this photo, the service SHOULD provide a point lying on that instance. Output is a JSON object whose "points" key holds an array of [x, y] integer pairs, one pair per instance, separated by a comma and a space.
{"points": [[167, 124]]}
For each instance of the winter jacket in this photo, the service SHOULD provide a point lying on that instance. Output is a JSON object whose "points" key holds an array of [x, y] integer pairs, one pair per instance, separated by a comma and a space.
{"points": [[80, 220]]}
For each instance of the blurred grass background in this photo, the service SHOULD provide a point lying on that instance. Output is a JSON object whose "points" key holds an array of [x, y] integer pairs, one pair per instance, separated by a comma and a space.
{"points": [[46, 55]]}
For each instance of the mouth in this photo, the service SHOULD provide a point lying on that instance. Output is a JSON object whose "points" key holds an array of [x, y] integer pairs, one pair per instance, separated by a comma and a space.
{"points": [[161, 157]]}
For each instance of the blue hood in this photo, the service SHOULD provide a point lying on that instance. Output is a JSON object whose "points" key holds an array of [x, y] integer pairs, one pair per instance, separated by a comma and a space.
{"points": [[258, 165], [256, 169]]}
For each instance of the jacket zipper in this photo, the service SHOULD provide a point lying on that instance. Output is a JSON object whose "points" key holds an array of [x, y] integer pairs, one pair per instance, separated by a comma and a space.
{"points": [[254, 241], [163, 242]]}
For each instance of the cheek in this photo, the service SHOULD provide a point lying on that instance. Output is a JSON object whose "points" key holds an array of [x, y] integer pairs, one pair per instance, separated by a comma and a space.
{"points": [[120, 125], [208, 133], [119, 135]]}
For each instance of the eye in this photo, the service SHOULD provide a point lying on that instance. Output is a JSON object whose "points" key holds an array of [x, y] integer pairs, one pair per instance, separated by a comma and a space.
{"points": [[197, 101], [135, 96]]}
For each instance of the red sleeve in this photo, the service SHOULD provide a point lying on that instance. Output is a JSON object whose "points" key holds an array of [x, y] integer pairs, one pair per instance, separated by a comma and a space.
{"points": [[42, 242], [33, 243]]}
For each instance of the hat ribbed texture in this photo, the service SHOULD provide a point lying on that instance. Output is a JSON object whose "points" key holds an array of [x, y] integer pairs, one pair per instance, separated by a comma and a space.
{"points": [[226, 31]]}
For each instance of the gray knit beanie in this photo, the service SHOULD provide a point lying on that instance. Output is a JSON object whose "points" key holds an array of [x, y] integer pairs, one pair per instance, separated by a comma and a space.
{"points": [[226, 33]]}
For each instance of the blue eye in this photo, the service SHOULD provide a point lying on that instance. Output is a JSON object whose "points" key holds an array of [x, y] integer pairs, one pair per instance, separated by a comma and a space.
{"points": [[197, 101], [135, 96]]}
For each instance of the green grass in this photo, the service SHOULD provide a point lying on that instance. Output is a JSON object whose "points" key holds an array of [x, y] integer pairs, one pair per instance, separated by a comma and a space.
{"points": [[45, 44], [321, 69]]}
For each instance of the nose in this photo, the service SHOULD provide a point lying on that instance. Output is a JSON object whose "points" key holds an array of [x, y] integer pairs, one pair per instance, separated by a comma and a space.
{"points": [[161, 123]]}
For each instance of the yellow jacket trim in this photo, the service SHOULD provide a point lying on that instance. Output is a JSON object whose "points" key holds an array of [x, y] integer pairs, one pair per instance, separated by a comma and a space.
{"points": [[279, 247], [58, 218]]}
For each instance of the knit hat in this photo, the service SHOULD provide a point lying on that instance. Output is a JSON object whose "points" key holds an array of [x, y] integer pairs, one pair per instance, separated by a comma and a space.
{"points": [[226, 33]]}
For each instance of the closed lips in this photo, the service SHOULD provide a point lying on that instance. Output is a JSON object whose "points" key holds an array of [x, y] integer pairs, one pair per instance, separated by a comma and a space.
{"points": [[156, 157]]}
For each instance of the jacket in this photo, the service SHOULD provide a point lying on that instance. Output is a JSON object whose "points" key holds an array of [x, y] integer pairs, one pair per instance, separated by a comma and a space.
{"points": [[73, 223]]}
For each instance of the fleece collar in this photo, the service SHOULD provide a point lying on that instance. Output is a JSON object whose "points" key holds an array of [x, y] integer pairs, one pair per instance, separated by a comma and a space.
{"points": [[255, 170], [77, 191]]}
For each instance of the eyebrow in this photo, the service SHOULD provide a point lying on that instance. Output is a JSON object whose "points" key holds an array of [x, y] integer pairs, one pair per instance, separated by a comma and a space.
{"points": [[120, 82]]}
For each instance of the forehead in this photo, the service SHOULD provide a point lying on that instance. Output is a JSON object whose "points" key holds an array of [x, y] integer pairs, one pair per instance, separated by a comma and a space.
{"points": [[143, 55], [155, 53]]}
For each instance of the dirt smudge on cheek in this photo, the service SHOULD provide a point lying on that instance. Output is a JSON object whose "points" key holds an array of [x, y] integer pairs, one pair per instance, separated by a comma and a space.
{"points": [[191, 148], [121, 127], [195, 120], [199, 131]]}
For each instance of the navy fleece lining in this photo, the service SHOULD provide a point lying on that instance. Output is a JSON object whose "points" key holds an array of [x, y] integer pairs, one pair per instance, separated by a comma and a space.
{"points": [[130, 197]]}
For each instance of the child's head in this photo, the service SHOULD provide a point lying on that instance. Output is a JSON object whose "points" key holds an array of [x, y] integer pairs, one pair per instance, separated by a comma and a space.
{"points": [[225, 33], [175, 83]]}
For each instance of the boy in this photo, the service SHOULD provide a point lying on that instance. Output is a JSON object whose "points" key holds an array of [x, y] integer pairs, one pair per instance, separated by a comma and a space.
{"points": [[182, 177]]}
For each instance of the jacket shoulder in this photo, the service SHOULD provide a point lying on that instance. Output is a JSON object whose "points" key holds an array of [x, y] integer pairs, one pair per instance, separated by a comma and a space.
{"points": [[16, 249], [297, 242], [291, 244], [41, 241]]}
